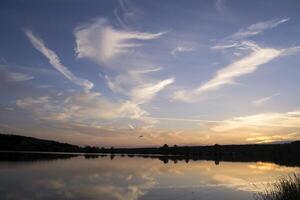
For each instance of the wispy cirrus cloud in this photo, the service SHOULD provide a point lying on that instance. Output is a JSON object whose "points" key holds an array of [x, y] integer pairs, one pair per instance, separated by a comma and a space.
{"points": [[146, 92], [13, 76], [54, 60], [124, 82], [260, 121], [126, 12], [258, 128], [80, 107], [273, 138], [259, 28], [232, 44], [18, 77], [248, 64], [227, 75], [235, 40], [101, 42], [262, 101], [220, 5], [224, 11], [135, 86], [114, 47], [181, 49]]}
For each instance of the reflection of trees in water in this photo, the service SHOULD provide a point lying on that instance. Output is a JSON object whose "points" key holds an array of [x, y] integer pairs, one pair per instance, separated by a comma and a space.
{"points": [[217, 158], [33, 156], [123, 178], [187, 158], [112, 156], [91, 156], [283, 154]]}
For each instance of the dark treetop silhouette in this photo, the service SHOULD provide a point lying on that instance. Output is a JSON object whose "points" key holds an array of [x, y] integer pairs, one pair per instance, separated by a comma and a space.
{"points": [[283, 154]]}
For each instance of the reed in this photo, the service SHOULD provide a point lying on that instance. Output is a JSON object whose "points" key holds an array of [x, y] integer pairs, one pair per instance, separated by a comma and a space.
{"points": [[285, 188]]}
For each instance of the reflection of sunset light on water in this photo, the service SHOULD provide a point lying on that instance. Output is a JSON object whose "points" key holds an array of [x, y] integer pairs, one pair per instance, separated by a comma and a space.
{"points": [[137, 178], [261, 166]]}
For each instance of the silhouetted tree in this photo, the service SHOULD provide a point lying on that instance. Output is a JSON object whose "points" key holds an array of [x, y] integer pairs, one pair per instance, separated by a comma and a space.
{"points": [[112, 149], [112, 156]]}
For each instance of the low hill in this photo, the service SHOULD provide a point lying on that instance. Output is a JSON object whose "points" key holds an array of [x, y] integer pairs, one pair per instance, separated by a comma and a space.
{"points": [[22, 143]]}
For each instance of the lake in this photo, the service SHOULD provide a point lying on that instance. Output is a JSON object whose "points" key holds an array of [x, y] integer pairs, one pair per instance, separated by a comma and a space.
{"points": [[105, 177]]}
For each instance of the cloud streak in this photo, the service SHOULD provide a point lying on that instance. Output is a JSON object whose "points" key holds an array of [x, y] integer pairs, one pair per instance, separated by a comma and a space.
{"points": [[80, 107], [257, 128], [124, 82], [147, 92], [246, 65], [259, 28], [180, 49], [136, 87], [260, 121], [263, 100], [271, 138], [55, 61], [236, 40], [18, 77], [227, 75]]}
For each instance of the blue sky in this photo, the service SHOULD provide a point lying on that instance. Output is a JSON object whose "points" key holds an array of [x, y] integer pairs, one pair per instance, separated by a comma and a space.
{"points": [[185, 72]]}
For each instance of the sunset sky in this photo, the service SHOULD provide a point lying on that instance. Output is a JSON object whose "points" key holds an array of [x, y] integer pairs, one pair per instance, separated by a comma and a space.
{"points": [[144, 73]]}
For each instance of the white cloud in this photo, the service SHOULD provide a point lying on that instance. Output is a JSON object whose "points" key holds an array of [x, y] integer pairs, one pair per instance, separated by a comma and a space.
{"points": [[124, 82], [115, 85], [136, 86], [131, 126], [180, 49], [93, 107], [182, 119], [236, 40], [226, 45], [18, 77], [27, 102], [120, 20], [270, 138], [226, 76], [220, 6], [101, 42], [259, 28], [126, 12], [55, 61], [81, 107], [262, 121], [257, 128], [263, 100], [145, 71], [246, 65], [38, 106], [147, 92]]}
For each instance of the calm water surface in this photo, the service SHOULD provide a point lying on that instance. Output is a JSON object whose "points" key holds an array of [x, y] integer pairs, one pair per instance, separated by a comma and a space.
{"points": [[124, 178]]}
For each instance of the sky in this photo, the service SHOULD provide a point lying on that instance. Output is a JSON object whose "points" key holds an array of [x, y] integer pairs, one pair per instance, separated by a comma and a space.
{"points": [[128, 73]]}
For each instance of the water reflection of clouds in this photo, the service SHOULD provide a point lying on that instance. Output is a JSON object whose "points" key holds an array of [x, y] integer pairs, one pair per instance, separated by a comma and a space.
{"points": [[79, 179], [131, 179], [261, 167]]}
